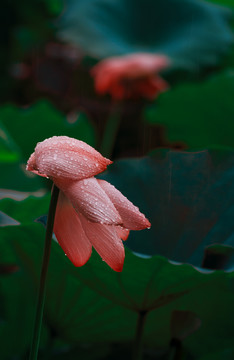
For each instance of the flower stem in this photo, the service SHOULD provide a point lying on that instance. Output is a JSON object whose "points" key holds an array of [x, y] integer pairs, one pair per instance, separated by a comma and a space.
{"points": [[111, 130], [176, 351], [138, 342], [44, 268]]}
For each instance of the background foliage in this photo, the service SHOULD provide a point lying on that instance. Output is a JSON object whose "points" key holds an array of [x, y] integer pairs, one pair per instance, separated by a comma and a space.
{"points": [[173, 158]]}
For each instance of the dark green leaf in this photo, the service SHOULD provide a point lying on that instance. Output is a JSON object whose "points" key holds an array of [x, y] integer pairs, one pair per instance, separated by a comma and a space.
{"points": [[198, 115], [78, 314], [193, 33], [29, 210], [213, 305], [187, 196], [41, 121], [144, 284]]}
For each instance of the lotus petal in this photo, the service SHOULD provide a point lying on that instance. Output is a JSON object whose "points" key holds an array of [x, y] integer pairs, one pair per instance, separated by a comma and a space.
{"points": [[69, 232], [90, 199], [132, 218], [64, 157], [106, 242]]}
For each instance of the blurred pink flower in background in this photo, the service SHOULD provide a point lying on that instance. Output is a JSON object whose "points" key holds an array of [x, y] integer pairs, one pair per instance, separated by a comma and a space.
{"points": [[90, 212], [131, 76]]}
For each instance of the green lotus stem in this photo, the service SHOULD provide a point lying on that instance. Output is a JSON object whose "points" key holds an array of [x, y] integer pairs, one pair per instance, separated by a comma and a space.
{"points": [[44, 268], [138, 342], [111, 130]]}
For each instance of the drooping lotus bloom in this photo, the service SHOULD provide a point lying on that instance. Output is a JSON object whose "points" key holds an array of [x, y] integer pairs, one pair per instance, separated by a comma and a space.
{"points": [[131, 76], [90, 212]]}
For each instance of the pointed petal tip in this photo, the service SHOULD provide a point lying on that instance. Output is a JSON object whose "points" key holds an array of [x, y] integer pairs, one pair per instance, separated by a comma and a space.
{"points": [[132, 218], [118, 268], [148, 224], [108, 161], [143, 224], [78, 262], [117, 264]]}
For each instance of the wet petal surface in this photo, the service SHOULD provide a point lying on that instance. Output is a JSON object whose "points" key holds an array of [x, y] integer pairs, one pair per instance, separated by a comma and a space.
{"points": [[122, 232], [70, 234], [106, 242], [132, 218], [90, 199], [64, 157]]}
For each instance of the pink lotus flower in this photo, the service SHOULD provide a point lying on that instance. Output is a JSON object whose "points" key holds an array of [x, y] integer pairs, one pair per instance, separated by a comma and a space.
{"points": [[130, 76], [90, 212]]}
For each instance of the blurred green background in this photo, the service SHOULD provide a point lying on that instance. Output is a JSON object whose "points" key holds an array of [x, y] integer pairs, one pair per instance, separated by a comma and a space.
{"points": [[173, 157]]}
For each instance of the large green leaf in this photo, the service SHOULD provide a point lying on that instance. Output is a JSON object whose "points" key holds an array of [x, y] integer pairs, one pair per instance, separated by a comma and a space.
{"points": [[198, 115], [144, 284], [187, 196], [193, 33], [79, 314], [41, 121], [212, 304]]}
